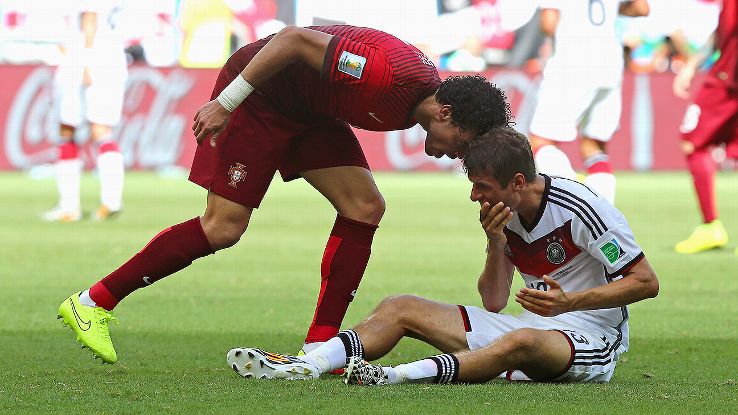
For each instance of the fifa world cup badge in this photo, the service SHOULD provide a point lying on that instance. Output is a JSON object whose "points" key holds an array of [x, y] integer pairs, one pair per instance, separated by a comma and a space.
{"points": [[237, 173]]}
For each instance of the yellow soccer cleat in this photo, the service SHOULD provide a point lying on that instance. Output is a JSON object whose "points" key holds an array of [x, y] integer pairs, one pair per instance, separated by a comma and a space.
{"points": [[706, 236], [91, 326]]}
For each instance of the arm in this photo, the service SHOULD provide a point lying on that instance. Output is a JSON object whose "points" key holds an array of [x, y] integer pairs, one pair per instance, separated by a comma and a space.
{"points": [[683, 79], [637, 284], [496, 279], [291, 44], [549, 21], [635, 8]]}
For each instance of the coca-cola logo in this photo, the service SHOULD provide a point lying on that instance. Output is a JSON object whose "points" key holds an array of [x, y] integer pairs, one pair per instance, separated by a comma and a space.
{"points": [[149, 133]]}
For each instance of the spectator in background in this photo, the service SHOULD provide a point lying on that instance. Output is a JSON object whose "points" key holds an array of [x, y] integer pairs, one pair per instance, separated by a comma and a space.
{"points": [[710, 121], [90, 82], [580, 91]]}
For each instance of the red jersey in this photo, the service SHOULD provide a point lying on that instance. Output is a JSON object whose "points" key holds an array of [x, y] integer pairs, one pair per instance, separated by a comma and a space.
{"points": [[726, 67], [370, 79]]}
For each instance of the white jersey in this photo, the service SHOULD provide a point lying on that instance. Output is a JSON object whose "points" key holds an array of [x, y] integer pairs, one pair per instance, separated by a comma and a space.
{"points": [[580, 240], [587, 48]]}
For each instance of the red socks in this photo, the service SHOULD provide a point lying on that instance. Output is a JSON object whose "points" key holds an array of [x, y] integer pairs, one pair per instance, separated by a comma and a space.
{"points": [[171, 250], [702, 167], [344, 261]]}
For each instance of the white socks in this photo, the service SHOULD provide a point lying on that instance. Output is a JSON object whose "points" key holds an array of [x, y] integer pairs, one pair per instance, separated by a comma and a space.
{"points": [[68, 176], [552, 161], [110, 169], [85, 299], [327, 357], [421, 371]]}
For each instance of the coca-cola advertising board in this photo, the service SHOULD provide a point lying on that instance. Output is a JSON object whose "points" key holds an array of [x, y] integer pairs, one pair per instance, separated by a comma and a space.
{"points": [[160, 103]]}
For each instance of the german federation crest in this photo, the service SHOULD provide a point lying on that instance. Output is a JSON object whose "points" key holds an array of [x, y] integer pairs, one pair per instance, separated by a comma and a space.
{"points": [[237, 173], [555, 252]]}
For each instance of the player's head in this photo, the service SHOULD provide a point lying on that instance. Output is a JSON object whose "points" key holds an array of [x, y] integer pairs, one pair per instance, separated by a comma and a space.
{"points": [[499, 164], [469, 107]]}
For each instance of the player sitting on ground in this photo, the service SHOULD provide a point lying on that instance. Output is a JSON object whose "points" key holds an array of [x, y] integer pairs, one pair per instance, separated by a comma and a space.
{"points": [[581, 267]]}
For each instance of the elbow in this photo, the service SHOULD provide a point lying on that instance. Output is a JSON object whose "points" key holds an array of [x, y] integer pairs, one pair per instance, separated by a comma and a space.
{"points": [[651, 289], [494, 306]]}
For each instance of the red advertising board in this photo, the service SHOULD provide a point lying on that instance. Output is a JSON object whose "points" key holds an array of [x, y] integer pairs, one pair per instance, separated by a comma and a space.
{"points": [[160, 103]]}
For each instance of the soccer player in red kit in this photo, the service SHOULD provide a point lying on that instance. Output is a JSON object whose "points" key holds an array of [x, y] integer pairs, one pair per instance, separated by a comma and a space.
{"points": [[286, 103], [711, 120]]}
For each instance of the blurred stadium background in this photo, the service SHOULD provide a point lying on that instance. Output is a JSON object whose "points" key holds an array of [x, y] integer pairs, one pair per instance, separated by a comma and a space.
{"points": [[175, 48]]}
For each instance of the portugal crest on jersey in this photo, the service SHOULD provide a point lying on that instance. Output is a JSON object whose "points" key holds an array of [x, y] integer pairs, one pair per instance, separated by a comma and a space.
{"points": [[237, 173], [555, 252]]}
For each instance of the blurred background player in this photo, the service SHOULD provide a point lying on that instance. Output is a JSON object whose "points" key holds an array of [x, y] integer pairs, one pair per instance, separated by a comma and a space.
{"points": [[710, 121], [90, 83], [286, 103], [581, 93]]}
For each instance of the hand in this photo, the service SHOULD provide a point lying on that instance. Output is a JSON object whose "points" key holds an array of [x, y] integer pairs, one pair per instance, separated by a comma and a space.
{"points": [[682, 81], [211, 119], [545, 303], [493, 220]]}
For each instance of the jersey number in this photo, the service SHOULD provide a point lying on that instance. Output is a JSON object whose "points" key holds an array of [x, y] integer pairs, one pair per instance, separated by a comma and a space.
{"points": [[538, 285], [596, 12]]}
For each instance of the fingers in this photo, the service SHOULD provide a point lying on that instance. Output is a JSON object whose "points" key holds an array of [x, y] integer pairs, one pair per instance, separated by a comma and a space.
{"points": [[533, 307], [551, 282], [496, 217]]}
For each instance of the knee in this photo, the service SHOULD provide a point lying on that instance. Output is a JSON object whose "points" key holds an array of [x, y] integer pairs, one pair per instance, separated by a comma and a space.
{"points": [[520, 343], [396, 307], [687, 148], [367, 209], [223, 232]]}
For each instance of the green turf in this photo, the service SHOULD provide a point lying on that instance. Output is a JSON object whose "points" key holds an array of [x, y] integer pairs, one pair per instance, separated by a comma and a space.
{"points": [[173, 337]]}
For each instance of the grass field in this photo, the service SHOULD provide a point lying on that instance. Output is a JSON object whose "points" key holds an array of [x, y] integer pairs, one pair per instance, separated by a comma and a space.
{"points": [[173, 336]]}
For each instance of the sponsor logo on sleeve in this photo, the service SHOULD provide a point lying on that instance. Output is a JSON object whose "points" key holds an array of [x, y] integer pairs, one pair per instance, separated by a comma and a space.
{"points": [[351, 64], [612, 251]]}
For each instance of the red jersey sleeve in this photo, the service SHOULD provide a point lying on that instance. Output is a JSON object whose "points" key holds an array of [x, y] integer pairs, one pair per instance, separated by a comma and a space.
{"points": [[357, 65]]}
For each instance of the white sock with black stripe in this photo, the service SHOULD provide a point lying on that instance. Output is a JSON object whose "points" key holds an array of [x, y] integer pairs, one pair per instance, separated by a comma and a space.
{"points": [[443, 368], [351, 343]]}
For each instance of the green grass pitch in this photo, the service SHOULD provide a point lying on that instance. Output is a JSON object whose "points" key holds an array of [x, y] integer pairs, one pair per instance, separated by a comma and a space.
{"points": [[173, 336]]}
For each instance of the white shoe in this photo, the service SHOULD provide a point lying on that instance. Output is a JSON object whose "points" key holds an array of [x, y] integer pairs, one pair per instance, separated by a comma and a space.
{"points": [[255, 363], [58, 215], [361, 372]]}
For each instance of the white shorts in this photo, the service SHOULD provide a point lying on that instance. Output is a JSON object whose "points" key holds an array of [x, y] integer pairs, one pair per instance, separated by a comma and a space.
{"points": [[564, 107], [102, 101], [593, 353]]}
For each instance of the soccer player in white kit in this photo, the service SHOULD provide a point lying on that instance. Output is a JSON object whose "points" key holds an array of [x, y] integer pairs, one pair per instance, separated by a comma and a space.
{"points": [[581, 266], [89, 86], [581, 87]]}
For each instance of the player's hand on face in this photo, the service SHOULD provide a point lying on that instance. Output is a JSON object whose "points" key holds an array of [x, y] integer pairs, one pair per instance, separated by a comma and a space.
{"points": [[210, 120], [548, 303], [493, 220]]}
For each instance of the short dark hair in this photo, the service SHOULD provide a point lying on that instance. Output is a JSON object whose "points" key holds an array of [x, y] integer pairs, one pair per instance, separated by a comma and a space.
{"points": [[500, 153], [476, 104]]}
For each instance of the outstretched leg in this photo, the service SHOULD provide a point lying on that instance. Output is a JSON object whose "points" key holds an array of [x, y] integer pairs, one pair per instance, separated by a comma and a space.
{"points": [[173, 249]]}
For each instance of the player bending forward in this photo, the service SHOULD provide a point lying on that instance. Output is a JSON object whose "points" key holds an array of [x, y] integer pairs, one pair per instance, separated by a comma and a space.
{"points": [[581, 266]]}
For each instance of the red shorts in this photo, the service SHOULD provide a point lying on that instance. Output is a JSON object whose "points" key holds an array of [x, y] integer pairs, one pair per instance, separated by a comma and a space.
{"points": [[713, 118], [258, 141]]}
